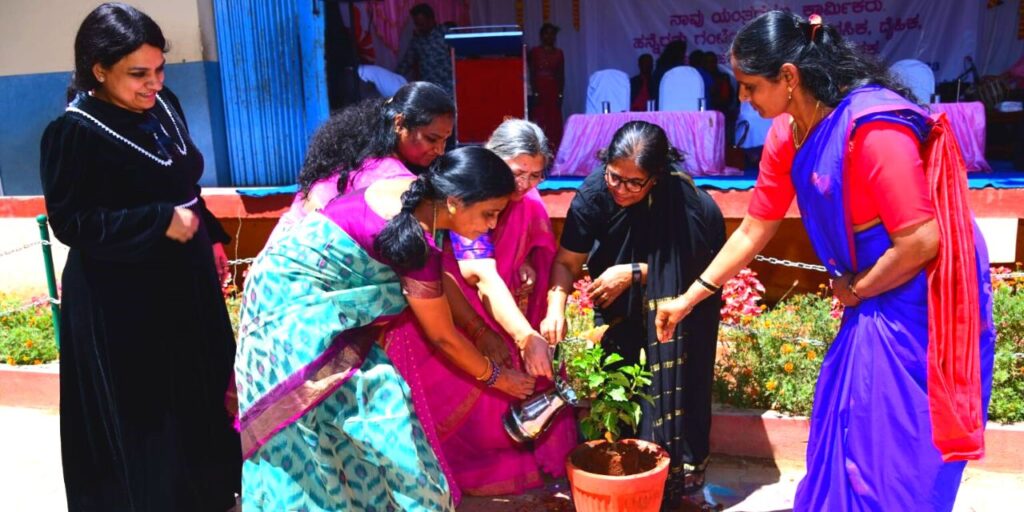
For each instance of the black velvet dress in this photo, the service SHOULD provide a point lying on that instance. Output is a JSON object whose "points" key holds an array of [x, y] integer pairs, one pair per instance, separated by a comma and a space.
{"points": [[146, 346]]}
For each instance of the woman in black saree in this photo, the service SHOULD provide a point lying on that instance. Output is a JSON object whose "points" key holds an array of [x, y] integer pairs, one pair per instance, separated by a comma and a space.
{"points": [[644, 230]]}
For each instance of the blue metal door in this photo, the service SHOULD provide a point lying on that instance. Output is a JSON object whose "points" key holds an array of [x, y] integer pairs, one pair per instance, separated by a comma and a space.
{"points": [[273, 82]]}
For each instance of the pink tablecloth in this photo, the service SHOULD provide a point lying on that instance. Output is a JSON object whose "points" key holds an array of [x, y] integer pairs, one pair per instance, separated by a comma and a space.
{"points": [[699, 135], [968, 121]]}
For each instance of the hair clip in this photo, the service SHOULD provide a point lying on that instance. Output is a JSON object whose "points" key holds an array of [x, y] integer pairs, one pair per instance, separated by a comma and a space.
{"points": [[815, 21]]}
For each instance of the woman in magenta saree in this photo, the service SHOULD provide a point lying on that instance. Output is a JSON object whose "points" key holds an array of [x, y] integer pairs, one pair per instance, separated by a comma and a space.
{"points": [[502, 278], [900, 404]]}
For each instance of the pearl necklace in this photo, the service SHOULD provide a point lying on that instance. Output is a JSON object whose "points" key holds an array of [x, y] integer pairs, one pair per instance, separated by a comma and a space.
{"points": [[182, 149]]}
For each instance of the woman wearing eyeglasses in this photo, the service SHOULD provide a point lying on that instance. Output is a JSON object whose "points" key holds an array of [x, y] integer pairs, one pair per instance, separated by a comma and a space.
{"points": [[643, 229]]}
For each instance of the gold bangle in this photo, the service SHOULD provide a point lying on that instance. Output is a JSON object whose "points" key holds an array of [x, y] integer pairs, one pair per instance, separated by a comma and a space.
{"points": [[487, 370]]}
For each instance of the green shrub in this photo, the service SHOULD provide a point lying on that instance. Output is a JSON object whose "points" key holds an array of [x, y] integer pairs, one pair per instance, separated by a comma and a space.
{"points": [[26, 336], [1007, 405], [772, 361]]}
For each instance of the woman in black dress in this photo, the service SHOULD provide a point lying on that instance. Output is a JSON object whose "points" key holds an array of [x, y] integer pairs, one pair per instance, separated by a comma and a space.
{"points": [[146, 344], [644, 230]]}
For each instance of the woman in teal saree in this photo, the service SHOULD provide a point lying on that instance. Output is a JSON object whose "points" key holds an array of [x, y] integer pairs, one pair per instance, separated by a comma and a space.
{"points": [[326, 421]]}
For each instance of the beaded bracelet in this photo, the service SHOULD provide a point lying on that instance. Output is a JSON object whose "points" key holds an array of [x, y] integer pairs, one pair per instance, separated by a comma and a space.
{"points": [[495, 372]]}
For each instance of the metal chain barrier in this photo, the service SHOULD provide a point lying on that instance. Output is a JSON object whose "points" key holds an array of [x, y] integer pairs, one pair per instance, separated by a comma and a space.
{"points": [[786, 263], [750, 330], [1009, 275], [23, 247], [29, 305]]}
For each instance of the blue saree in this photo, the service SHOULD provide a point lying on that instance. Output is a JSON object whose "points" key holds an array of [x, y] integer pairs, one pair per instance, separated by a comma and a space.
{"points": [[873, 442]]}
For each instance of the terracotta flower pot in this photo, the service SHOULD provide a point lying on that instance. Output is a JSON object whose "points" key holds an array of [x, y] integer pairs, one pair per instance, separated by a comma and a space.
{"points": [[642, 492]]}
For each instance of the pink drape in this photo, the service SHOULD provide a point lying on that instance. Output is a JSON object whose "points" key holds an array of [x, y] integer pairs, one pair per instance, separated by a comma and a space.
{"points": [[699, 135], [968, 123], [463, 419]]}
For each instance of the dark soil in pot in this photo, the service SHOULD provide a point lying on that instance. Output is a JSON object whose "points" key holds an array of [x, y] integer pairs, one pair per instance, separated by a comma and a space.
{"points": [[613, 459]]}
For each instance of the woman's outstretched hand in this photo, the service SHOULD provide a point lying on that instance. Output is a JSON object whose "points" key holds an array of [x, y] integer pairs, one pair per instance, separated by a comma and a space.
{"points": [[669, 315]]}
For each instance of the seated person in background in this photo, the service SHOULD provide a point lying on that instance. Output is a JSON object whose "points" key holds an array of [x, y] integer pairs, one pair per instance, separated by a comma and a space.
{"points": [[640, 84]]}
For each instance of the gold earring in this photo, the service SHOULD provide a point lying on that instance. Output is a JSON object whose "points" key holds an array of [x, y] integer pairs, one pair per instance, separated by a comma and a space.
{"points": [[790, 89], [101, 79]]}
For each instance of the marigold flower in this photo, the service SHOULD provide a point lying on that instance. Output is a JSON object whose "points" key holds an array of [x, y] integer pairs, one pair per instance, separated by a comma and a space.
{"points": [[787, 348], [811, 355], [28, 344], [37, 361], [789, 367], [10, 360], [771, 385]]}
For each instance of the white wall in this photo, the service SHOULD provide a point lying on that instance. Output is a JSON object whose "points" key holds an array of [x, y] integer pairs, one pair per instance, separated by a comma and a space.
{"points": [[38, 36]]}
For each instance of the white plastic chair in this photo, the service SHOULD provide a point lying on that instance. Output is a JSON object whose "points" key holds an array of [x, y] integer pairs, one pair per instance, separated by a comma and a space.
{"points": [[681, 89], [611, 85], [917, 76], [386, 82]]}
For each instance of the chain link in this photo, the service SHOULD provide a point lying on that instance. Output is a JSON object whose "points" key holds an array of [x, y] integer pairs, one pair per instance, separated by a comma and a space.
{"points": [[30, 305], [750, 330], [1010, 275], [23, 247], [786, 263], [242, 261]]}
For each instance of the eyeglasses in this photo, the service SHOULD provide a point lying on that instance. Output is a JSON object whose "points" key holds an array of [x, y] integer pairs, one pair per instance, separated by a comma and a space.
{"points": [[631, 185], [528, 177]]}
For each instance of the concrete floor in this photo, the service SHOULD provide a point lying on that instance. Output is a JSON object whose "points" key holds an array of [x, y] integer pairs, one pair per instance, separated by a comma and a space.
{"points": [[30, 478]]}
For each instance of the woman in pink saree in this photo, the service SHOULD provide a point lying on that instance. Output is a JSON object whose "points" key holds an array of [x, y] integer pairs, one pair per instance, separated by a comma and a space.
{"points": [[374, 140], [502, 278]]}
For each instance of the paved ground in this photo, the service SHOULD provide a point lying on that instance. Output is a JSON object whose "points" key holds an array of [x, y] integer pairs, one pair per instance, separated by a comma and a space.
{"points": [[30, 478]]}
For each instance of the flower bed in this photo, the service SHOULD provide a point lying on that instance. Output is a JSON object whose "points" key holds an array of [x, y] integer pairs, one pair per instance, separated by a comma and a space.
{"points": [[769, 358], [26, 335]]}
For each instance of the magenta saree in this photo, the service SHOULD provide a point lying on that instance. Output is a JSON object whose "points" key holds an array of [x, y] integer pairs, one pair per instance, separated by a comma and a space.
{"points": [[462, 418]]}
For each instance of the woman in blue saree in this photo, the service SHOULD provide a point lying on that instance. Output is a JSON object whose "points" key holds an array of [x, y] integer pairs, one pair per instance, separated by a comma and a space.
{"points": [[901, 401], [326, 421]]}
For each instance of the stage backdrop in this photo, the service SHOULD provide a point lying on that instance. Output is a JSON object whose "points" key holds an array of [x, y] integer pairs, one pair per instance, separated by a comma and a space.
{"points": [[613, 33]]}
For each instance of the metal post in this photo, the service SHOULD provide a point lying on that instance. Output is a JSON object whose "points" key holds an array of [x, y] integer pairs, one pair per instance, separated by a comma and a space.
{"points": [[51, 280]]}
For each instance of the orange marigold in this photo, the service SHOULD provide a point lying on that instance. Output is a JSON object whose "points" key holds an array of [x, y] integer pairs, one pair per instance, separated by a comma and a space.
{"points": [[789, 367], [811, 355], [771, 385], [787, 348]]}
